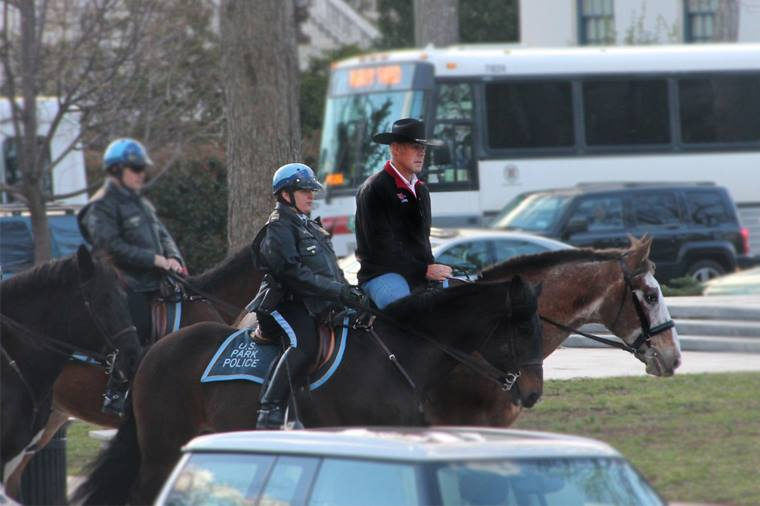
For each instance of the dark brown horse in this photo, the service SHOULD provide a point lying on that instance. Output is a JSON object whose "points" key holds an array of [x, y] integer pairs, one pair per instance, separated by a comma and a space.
{"points": [[73, 305], [579, 287], [171, 406], [78, 391]]}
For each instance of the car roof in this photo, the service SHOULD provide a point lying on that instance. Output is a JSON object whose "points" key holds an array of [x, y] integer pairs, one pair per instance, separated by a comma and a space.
{"points": [[614, 186], [439, 236], [406, 444]]}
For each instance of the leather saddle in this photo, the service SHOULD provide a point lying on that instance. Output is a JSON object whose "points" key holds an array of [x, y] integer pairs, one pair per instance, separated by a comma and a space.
{"points": [[163, 307]]}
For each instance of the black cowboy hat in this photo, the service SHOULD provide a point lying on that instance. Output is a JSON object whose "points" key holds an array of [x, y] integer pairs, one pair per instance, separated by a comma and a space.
{"points": [[406, 130]]}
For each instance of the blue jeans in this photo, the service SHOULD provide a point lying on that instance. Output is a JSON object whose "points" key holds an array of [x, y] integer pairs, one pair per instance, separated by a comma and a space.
{"points": [[386, 288]]}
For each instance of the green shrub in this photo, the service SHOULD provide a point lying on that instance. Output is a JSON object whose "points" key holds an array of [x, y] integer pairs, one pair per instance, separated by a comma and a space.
{"points": [[682, 286]]}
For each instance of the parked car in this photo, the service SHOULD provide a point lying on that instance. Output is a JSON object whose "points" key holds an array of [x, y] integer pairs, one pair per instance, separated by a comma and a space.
{"points": [[694, 226], [739, 283], [470, 250], [17, 243], [403, 467]]}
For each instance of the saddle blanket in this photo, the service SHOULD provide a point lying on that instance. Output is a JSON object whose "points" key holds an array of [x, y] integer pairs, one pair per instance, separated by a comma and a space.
{"points": [[241, 358]]}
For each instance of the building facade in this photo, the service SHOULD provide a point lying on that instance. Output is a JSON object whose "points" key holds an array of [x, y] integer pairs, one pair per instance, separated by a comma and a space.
{"points": [[621, 22]]}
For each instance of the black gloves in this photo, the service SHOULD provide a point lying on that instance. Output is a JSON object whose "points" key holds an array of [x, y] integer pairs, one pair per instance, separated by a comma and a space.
{"points": [[351, 296]]}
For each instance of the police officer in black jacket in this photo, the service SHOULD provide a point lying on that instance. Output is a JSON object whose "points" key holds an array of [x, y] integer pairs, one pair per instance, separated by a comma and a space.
{"points": [[301, 285], [122, 223], [393, 219]]}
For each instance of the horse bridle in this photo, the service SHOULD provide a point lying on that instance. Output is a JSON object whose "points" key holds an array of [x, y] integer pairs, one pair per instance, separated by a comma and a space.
{"points": [[112, 341], [647, 331]]}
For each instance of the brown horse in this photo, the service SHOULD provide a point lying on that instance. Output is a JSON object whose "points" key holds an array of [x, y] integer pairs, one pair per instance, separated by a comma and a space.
{"points": [[579, 287], [78, 391], [171, 405]]}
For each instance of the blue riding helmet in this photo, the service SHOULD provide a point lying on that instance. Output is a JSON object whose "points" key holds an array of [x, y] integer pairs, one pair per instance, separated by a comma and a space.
{"points": [[295, 176], [128, 152]]}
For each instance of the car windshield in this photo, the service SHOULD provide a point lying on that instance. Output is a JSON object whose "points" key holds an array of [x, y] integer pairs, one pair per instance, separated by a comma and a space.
{"points": [[348, 153], [549, 482], [537, 212]]}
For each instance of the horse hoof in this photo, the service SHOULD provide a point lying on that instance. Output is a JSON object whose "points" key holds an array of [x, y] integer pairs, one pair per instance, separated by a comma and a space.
{"points": [[294, 425]]}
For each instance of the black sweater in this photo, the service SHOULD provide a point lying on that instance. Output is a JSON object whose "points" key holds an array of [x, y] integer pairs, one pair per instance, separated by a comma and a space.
{"points": [[393, 228]]}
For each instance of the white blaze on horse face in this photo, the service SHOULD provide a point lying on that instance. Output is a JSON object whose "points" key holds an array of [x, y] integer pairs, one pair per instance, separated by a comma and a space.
{"points": [[665, 354]]}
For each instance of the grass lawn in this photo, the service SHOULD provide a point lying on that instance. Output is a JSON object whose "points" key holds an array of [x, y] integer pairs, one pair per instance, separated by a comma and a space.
{"points": [[696, 437]]}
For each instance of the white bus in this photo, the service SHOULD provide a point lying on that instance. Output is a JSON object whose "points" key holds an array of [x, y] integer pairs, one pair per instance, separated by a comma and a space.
{"points": [[518, 119], [68, 176]]}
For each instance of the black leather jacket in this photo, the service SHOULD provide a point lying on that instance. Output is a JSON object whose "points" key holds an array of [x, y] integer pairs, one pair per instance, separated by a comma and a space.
{"points": [[299, 262], [125, 225]]}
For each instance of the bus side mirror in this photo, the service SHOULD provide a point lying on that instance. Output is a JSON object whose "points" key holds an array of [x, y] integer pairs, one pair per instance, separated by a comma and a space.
{"points": [[441, 155]]}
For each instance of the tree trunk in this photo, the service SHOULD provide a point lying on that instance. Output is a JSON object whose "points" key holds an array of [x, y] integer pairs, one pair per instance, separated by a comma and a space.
{"points": [[260, 73], [436, 22], [29, 158]]}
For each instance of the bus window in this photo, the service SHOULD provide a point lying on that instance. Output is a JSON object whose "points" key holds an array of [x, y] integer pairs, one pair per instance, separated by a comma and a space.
{"points": [[619, 112], [720, 109], [529, 115], [453, 125]]}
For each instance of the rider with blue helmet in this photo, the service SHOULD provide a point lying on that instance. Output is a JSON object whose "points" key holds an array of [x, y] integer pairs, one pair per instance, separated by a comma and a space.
{"points": [[122, 223], [301, 286]]}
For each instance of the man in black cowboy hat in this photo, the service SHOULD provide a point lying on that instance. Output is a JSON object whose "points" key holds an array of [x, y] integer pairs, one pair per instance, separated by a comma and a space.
{"points": [[393, 219]]}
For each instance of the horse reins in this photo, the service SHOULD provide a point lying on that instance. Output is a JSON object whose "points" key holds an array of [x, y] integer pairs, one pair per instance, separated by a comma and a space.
{"points": [[647, 331]]}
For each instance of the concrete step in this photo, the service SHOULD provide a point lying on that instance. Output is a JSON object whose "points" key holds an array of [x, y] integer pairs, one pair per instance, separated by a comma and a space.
{"points": [[721, 328], [729, 307], [688, 343]]}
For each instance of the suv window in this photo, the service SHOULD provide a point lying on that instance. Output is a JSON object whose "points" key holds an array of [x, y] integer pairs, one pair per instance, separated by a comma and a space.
{"points": [[708, 208], [536, 213], [290, 481], [657, 209], [601, 213]]}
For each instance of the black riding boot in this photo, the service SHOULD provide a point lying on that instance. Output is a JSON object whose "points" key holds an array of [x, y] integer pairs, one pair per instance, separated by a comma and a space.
{"points": [[274, 395], [115, 396]]}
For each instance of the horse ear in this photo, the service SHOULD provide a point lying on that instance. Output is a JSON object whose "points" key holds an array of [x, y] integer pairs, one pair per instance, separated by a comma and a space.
{"points": [[638, 253], [85, 263], [538, 288]]}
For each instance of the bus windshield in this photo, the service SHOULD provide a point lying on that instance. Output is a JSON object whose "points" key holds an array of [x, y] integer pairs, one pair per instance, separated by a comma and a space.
{"points": [[348, 154], [536, 212]]}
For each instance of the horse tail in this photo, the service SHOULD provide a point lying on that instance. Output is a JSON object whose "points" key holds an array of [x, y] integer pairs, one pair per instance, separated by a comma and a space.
{"points": [[111, 476]]}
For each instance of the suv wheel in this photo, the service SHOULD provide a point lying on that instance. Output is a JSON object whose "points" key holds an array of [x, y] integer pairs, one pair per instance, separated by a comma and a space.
{"points": [[704, 270]]}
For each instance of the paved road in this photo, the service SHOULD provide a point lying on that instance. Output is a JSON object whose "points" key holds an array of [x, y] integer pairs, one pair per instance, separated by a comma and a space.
{"points": [[567, 363]]}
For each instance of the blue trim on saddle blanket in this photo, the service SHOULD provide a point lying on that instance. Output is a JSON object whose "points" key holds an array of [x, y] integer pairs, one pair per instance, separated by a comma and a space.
{"points": [[78, 357], [211, 374], [284, 325], [177, 316]]}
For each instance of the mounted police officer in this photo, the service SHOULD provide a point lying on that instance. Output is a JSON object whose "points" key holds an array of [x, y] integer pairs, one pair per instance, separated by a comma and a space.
{"points": [[123, 224], [302, 284]]}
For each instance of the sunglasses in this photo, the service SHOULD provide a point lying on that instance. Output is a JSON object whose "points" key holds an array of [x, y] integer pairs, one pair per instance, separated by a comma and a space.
{"points": [[136, 168]]}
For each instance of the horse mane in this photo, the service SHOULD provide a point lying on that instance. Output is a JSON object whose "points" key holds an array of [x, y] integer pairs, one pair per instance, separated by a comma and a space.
{"points": [[422, 302], [221, 272], [60, 273], [548, 259]]}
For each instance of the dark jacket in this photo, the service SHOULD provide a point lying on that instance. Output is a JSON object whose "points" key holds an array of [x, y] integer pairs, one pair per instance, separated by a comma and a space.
{"points": [[393, 228], [298, 261], [125, 225]]}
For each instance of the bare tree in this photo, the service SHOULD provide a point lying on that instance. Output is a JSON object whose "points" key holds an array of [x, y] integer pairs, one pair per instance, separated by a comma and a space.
{"points": [[260, 70], [115, 64], [436, 22], [727, 21]]}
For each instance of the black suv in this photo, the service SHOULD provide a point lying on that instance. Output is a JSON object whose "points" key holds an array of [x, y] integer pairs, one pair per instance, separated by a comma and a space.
{"points": [[694, 226]]}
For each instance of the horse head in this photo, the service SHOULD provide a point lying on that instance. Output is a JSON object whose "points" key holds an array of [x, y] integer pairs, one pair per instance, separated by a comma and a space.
{"points": [[636, 312], [520, 349], [106, 309]]}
